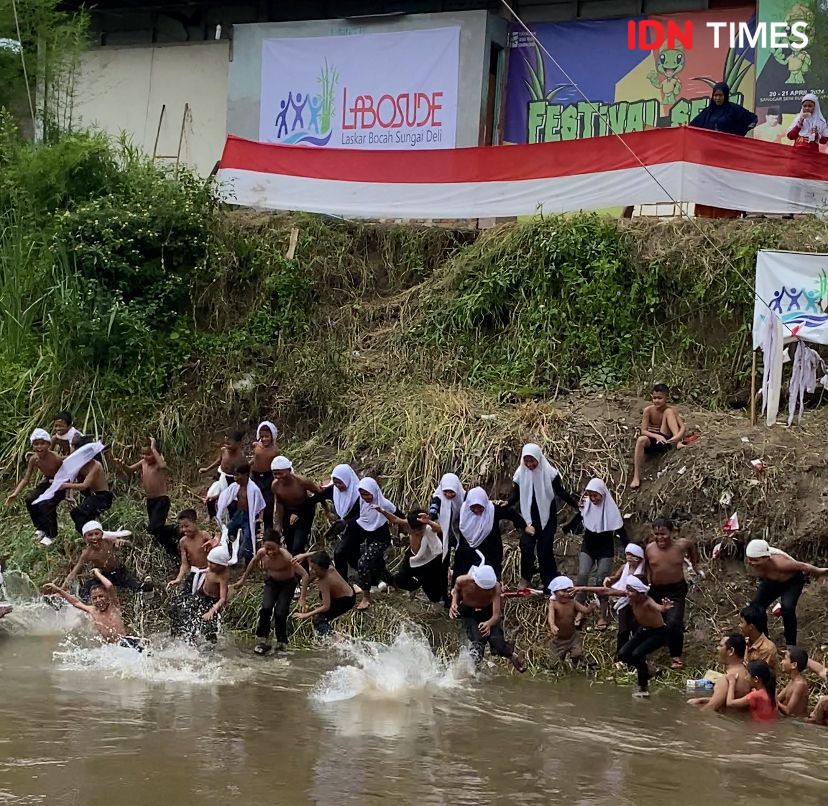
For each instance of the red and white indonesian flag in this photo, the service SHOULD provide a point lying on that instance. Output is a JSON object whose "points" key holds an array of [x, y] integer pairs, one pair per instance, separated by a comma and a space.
{"points": [[656, 166]]}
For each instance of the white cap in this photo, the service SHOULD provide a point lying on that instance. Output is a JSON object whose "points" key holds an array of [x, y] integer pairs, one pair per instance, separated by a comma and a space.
{"points": [[219, 555], [757, 549], [40, 433], [484, 576], [560, 584], [90, 526], [637, 585], [635, 550], [281, 463]]}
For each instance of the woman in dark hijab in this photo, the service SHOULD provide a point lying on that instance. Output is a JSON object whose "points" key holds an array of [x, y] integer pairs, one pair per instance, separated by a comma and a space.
{"points": [[722, 115]]}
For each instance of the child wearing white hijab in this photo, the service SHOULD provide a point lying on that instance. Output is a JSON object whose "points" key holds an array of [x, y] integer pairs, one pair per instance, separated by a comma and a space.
{"points": [[537, 485], [602, 522], [635, 566], [343, 494], [445, 508], [809, 129], [375, 536], [264, 452], [480, 530]]}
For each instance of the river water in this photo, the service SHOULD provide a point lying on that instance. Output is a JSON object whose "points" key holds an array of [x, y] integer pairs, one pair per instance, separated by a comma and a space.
{"points": [[88, 725]]}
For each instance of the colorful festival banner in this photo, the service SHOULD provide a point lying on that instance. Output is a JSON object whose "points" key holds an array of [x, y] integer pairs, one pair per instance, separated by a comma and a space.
{"points": [[794, 286], [784, 75], [388, 91], [627, 90]]}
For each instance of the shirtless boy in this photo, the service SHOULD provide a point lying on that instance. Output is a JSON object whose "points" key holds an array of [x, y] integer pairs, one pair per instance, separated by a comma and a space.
{"points": [[560, 616], [45, 461], [264, 452], [293, 510], [100, 553], [281, 576], [155, 479], [193, 548], [665, 563], [652, 634], [338, 597], [732, 657], [105, 611], [793, 699], [94, 488], [476, 601], [662, 428], [210, 594], [230, 456], [780, 577]]}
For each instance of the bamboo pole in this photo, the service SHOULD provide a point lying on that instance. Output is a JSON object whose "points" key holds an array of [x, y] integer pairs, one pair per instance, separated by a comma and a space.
{"points": [[753, 390]]}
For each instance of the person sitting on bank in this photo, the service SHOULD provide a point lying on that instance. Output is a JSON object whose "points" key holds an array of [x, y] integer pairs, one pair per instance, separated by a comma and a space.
{"points": [[780, 577], [754, 626], [731, 650], [809, 129], [662, 428]]}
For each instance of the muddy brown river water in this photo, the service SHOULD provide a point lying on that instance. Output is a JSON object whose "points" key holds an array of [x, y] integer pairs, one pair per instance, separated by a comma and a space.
{"points": [[86, 726]]}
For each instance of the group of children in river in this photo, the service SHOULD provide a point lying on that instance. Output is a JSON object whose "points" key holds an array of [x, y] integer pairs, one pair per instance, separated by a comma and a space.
{"points": [[453, 553]]}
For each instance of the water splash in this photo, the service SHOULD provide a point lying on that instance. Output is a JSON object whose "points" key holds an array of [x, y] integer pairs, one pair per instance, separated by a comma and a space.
{"points": [[405, 668], [163, 661]]}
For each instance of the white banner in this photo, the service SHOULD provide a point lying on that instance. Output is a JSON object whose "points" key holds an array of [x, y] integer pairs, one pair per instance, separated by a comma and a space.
{"points": [[369, 91], [794, 287]]}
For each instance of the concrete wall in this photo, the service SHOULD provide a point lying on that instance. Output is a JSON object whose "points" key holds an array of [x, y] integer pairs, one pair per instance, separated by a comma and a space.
{"points": [[244, 87], [124, 88]]}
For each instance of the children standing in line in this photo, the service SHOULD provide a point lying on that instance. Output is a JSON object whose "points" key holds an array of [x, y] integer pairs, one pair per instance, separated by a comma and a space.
{"points": [[445, 508], [281, 576], [560, 616], [230, 456], [662, 428], [793, 700], [476, 601], [338, 597], [264, 452], [45, 461], [761, 701], [155, 478]]}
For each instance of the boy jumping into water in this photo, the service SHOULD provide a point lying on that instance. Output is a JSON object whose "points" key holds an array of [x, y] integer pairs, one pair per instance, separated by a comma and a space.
{"points": [[280, 581], [475, 600], [662, 428], [338, 597], [100, 553], [45, 461], [105, 610], [155, 479], [652, 634]]}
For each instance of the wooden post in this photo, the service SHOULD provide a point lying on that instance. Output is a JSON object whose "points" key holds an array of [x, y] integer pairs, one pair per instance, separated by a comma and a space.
{"points": [[753, 390]]}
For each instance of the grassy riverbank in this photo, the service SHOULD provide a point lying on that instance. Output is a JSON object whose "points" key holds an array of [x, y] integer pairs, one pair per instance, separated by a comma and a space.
{"points": [[132, 299]]}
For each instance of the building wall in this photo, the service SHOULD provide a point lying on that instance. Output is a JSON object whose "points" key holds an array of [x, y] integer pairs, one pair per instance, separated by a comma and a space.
{"points": [[123, 89], [244, 88]]}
